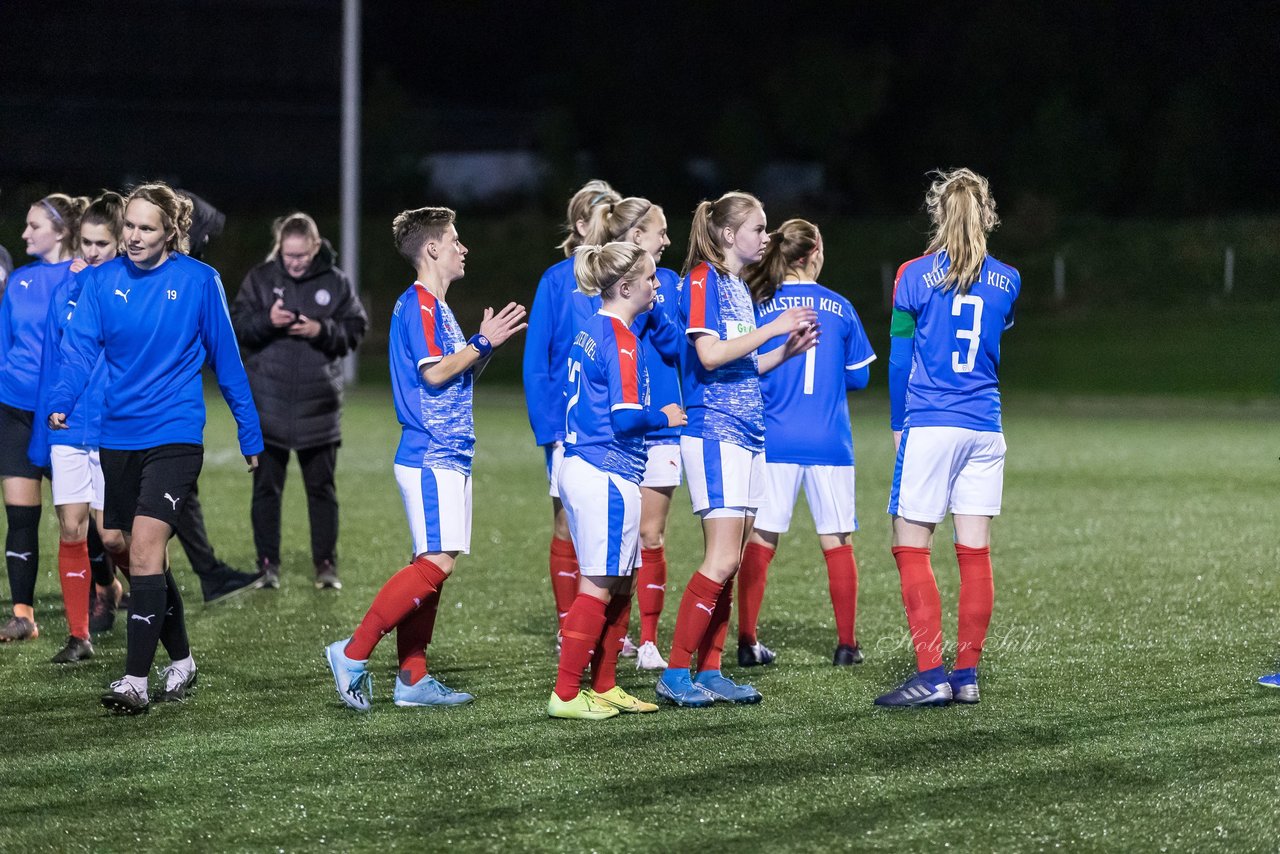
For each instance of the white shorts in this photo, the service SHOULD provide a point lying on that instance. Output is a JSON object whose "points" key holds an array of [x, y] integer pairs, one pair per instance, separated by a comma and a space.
{"points": [[943, 469], [604, 518], [724, 479], [663, 468], [437, 503], [77, 476], [555, 459], [828, 489]]}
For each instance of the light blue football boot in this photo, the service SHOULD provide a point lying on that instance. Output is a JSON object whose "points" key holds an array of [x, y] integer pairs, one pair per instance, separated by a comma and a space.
{"points": [[427, 691], [725, 690], [352, 679]]}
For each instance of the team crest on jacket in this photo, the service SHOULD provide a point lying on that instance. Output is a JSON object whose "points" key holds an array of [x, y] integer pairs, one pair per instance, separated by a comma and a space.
{"points": [[323, 297]]}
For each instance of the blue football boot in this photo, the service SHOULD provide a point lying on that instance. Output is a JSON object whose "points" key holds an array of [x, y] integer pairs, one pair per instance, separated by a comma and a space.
{"points": [[1271, 680], [919, 690], [964, 686], [675, 686], [353, 680], [427, 691], [725, 689]]}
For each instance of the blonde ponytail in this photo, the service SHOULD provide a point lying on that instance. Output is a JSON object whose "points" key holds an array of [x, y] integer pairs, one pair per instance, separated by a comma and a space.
{"points": [[709, 219], [613, 221], [963, 212], [581, 206], [64, 212], [598, 268]]}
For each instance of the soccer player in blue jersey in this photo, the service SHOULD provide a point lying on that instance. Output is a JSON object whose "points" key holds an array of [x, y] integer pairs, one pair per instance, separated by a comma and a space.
{"points": [[609, 413], [72, 454], [640, 221], [433, 371], [51, 232], [155, 317], [807, 436], [723, 443], [546, 361], [950, 308]]}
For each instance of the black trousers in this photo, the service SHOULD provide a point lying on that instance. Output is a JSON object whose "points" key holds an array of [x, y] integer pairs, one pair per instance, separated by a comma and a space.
{"points": [[322, 501], [194, 538]]}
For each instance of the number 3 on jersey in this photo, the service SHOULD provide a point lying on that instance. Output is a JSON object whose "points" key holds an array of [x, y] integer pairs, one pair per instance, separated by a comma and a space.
{"points": [[575, 377], [973, 334]]}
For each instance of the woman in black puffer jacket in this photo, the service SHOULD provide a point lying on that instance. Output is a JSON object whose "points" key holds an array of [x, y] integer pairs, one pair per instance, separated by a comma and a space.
{"points": [[296, 316]]}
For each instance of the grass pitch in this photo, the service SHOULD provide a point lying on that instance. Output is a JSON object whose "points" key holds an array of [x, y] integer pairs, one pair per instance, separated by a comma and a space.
{"points": [[1136, 593]]}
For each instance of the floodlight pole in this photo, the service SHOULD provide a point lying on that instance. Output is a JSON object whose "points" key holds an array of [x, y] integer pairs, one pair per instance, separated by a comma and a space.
{"points": [[351, 156]]}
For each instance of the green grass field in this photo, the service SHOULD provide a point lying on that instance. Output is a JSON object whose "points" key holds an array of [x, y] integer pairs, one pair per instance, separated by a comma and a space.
{"points": [[1137, 589]]}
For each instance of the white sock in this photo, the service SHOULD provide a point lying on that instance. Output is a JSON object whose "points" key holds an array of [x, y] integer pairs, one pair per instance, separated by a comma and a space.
{"points": [[185, 665]]}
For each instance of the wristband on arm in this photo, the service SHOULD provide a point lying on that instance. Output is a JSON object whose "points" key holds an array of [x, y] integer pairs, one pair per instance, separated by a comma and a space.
{"points": [[482, 345]]}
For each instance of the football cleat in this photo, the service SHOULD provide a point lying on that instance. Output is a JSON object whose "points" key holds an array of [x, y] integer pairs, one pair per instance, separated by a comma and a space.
{"points": [[124, 699], [75, 649], [847, 654], [427, 691], [754, 654], [622, 701], [648, 657], [19, 629], [581, 708], [675, 686], [178, 683], [353, 680], [917, 691], [629, 649], [725, 690], [1271, 680], [964, 686]]}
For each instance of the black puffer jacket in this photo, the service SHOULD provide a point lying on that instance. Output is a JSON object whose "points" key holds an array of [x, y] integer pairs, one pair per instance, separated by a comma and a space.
{"points": [[297, 382]]}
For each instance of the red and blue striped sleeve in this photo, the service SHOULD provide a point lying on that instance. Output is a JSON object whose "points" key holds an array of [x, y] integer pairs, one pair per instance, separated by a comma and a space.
{"points": [[427, 347], [700, 301], [622, 367]]}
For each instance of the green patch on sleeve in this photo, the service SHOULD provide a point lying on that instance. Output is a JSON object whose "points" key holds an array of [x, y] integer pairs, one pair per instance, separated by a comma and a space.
{"points": [[902, 325]]}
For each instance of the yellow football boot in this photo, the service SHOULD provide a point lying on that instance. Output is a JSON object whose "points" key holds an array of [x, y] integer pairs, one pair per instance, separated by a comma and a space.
{"points": [[616, 698], [581, 708]]}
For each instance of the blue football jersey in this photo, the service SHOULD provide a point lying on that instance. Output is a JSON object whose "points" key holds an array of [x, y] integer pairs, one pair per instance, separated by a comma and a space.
{"points": [[24, 312], [954, 379], [723, 405], [606, 373], [155, 330], [437, 425], [806, 408], [546, 350]]}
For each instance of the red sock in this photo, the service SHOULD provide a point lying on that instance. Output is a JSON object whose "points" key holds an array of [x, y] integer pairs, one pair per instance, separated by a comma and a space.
{"points": [[120, 559], [412, 636], [651, 590], [604, 663], [709, 651], [403, 593], [977, 598], [752, 576], [579, 637], [924, 606], [842, 578], [73, 573], [564, 576], [697, 605]]}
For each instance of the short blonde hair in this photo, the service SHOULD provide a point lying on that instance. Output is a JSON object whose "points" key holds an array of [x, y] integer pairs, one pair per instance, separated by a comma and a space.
{"points": [[413, 229]]}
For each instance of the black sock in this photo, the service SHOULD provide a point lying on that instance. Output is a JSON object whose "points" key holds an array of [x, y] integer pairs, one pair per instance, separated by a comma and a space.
{"points": [[173, 634], [147, 606], [98, 564], [22, 552]]}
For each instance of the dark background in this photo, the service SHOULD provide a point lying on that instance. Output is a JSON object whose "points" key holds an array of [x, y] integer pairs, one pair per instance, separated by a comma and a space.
{"points": [[1163, 109], [1136, 141]]}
